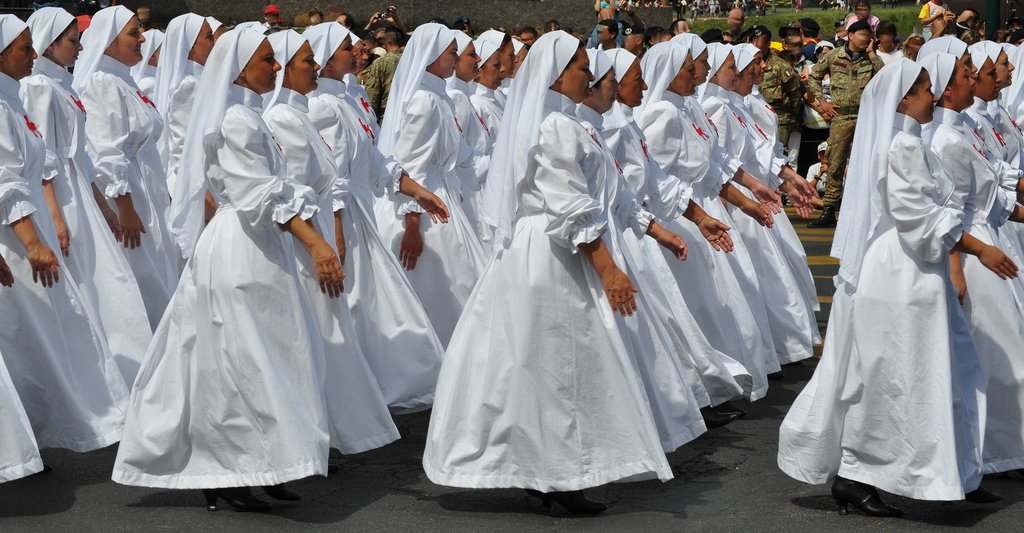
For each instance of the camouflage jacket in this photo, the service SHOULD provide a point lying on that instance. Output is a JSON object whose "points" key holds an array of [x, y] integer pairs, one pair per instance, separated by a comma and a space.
{"points": [[378, 80], [782, 90], [847, 78]]}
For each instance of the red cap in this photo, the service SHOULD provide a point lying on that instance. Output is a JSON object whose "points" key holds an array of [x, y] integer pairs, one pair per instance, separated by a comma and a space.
{"points": [[271, 10]]}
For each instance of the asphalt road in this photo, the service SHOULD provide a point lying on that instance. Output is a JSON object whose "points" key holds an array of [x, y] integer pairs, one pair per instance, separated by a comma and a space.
{"points": [[726, 480]]}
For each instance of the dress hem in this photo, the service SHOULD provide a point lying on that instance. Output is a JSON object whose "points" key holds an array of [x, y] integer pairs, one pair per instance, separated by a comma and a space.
{"points": [[10, 473], [498, 481], [201, 481]]}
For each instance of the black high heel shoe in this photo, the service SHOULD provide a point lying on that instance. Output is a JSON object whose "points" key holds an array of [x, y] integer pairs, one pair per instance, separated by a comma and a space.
{"points": [[283, 493], [713, 418], [728, 408], [861, 496], [574, 501], [240, 498]]}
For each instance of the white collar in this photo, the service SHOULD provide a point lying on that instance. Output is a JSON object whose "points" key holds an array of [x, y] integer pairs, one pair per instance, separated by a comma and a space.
{"points": [[907, 124], [9, 87], [952, 118], [433, 84], [44, 66], [294, 99], [112, 66]]}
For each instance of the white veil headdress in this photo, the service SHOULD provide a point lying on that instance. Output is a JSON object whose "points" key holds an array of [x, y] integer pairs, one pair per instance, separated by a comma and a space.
{"points": [[46, 25], [718, 53], [227, 60], [286, 43], [426, 45], [660, 66], [520, 129], [154, 42], [869, 163], [106, 24], [181, 36], [619, 115]]}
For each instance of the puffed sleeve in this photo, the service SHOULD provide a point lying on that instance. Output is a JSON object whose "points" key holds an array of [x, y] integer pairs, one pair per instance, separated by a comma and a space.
{"points": [[37, 94], [15, 194], [926, 224], [667, 196], [242, 171], [677, 147], [636, 217], [179, 115], [299, 156], [576, 217], [107, 130], [733, 150], [417, 144]]}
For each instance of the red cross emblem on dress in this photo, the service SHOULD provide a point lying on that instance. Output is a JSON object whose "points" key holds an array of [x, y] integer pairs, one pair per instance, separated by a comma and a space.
{"points": [[617, 167], [597, 142], [699, 131], [457, 125], [78, 103], [367, 130], [481, 119], [1014, 122], [982, 154], [999, 137], [145, 100], [644, 146], [978, 136], [770, 108], [759, 130], [365, 104], [711, 121], [739, 119], [32, 127]]}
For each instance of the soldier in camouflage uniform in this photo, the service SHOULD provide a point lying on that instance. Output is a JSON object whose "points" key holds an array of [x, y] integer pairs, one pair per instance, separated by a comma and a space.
{"points": [[781, 86], [849, 69], [381, 71]]}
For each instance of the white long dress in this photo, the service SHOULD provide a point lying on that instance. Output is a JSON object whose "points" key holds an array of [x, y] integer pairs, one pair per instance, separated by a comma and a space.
{"points": [[898, 359], [539, 392], [684, 143], [431, 149], [356, 409], [490, 105], [710, 373], [994, 307], [58, 359], [647, 340], [391, 324], [105, 279], [761, 263], [230, 393], [475, 132], [770, 154], [122, 130], [19, 454]]}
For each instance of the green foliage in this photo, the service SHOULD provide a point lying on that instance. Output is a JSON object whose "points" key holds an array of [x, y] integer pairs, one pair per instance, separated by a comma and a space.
{"points": [[905, 19]]}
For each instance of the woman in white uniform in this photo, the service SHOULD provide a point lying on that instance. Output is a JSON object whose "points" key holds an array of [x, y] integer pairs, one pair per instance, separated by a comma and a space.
{"points": [[898, 357], [550, 356], [682, 141], [422, 134], [391, 325], [994, 307], [144, 72], [647, 340], [788, 290], [356, 410], [187, 46], [230, 395], [80, 213], [122, 132], [711, 374], [68, 381], [19, 453]]}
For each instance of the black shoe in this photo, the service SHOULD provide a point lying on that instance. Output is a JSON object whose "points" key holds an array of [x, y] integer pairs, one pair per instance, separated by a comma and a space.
{"points": [[727, 408], [982, 495], [776, 376], [574, 502], [714, 418], [861, 496], [283, 493], [826, 220], [240, 498], [333, 468]]}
